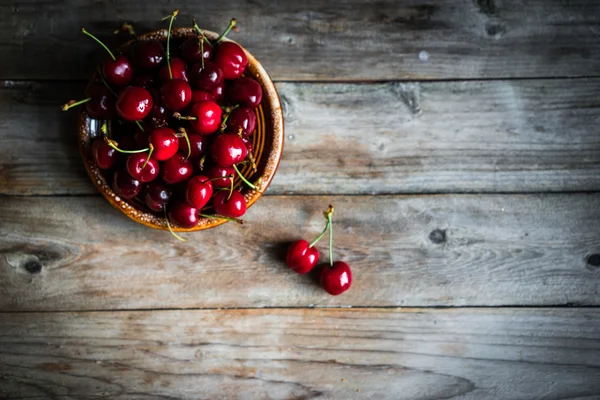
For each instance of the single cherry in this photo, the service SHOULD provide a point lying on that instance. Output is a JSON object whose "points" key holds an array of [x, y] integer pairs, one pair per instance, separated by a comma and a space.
{"points": [[192, 51], [301, 257], [228, 149], [198, 191], [245, 91], [201, 95], [176, 169], [205, 117], [101, 104], [105, 156], [232, 59], [178, 70], [157, 196], [134, 103], [233, 207], [336, 279], [148, 53], [206, 77], [225, 173], [125, 186], [118, 70], [142, 166], [182, 214], [176, 94], [243, 120], [165, 143], [197, 143], [219, 93]]}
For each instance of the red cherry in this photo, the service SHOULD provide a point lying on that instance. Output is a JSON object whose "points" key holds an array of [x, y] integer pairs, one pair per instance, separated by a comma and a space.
{"points": [[134, 103], [137, 170], [245, 91], [232, 59], [206, 78], [157, 196], [301, 257], [336, 279], [118, 72], [105, 156], [176, 94], [228, 149], [178, 70], [192, 52], [144, 81], [198, 191], [224, 173], [101, 104], [176, 169], [183, 215], [125, 186], [201, 95], [165, 143], [148, 53], [234, 207], [198, 143], [218, 93], [241, 118], [208, 117]]}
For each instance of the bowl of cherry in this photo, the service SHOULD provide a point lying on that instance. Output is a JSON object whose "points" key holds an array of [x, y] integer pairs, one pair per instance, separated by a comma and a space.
{"points": [[181, 129]]}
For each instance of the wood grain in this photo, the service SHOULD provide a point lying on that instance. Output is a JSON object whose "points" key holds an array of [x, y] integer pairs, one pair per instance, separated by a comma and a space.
{"points": [[502, 136], [81, 254], [466, 354], [348, 39]]}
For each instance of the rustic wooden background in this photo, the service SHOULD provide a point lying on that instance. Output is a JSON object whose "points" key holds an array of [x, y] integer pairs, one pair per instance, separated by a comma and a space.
{"points": [[460, 143]]}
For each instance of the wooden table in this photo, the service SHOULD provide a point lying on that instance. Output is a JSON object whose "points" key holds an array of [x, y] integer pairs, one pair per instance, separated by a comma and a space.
{"points": [[459, 142]]}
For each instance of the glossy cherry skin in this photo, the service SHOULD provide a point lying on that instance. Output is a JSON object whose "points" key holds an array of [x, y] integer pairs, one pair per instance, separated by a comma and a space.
{"points": [[182, 214], [235, 207], [192, 51], [144, 81], [165, 143], [134, 103], [135, 167], [245, 91], [337, 279], [219, 93], [228, 149], [198, 191], [176, 169], [302, 258], [241, 118], [148, 53], [225, 173], [201, 95], [176, 94], [197, 142], [102, 103], [208, 117], [232, 59], [118, 72], [125, 186], [206, 78], [105, 156], [157, 196], [178, 70]]}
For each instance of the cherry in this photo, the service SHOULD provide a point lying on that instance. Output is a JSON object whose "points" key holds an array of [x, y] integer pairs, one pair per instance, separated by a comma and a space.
{"points": [[241, 118], [233, 207], [117, 70], [245, 91], [144, 81], [337, 278], [142, 166], [225, 173], [159, 111], [302, 257], [101, 104], [198, 191], [176, 94], [182, 214], [228, 149], [165, 143], [201, 95], [105, 156], [205, 117], [206, 76], [192, 51], [148, 53], [178, 71], [218, 93], [134, 103], [176, 169], [197, 143], [125, 186], [157, 196], [232, 59]]}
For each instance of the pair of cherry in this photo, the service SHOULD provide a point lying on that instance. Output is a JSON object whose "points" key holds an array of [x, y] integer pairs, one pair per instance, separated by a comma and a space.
{"points": [[302, 257]]}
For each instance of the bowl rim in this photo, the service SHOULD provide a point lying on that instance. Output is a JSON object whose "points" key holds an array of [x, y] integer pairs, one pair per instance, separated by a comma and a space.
{"points": [[272, 157]]}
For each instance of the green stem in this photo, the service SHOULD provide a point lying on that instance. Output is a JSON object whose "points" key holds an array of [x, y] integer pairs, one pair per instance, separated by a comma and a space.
{"points": [[232, 23], [140, 126], [99, 42], [330, 238], [68, 105], [201, 33], [171, 229], [239, 221], [230, 190], [224, 122], [114, 145], [243, 178], [149, 155], [187, 140], [172, 18], [105, 83], [320, 236]]}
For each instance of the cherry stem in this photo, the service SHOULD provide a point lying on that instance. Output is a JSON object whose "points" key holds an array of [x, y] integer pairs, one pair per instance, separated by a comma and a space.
{"points": [[149, 155], [232, 23], [115, 146], [243, 178], [201, 162], [221, 177], [99, 42], [330, 223], [105, 83], [171, 229], [327, 225], [239, 221], [179, 116], [73, 103], [172, 18], [230, 190], [187, 140], [104, 129], [140, 126], [202, 35]]}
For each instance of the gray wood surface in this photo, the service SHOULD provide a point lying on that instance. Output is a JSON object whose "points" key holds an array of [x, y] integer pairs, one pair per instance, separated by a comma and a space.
{"points": [[500, 136], [468, 354], [78, 253], [348, 39]]}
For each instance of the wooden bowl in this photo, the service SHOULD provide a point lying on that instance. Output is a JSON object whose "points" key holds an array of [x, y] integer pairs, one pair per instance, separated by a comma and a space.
{"points": [[267, 144]]}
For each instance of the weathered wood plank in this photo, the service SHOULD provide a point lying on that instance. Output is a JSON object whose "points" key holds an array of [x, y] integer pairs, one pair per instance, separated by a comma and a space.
{"points": [[504, 136], [80, 254], [349, 39], [303, 354]]}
